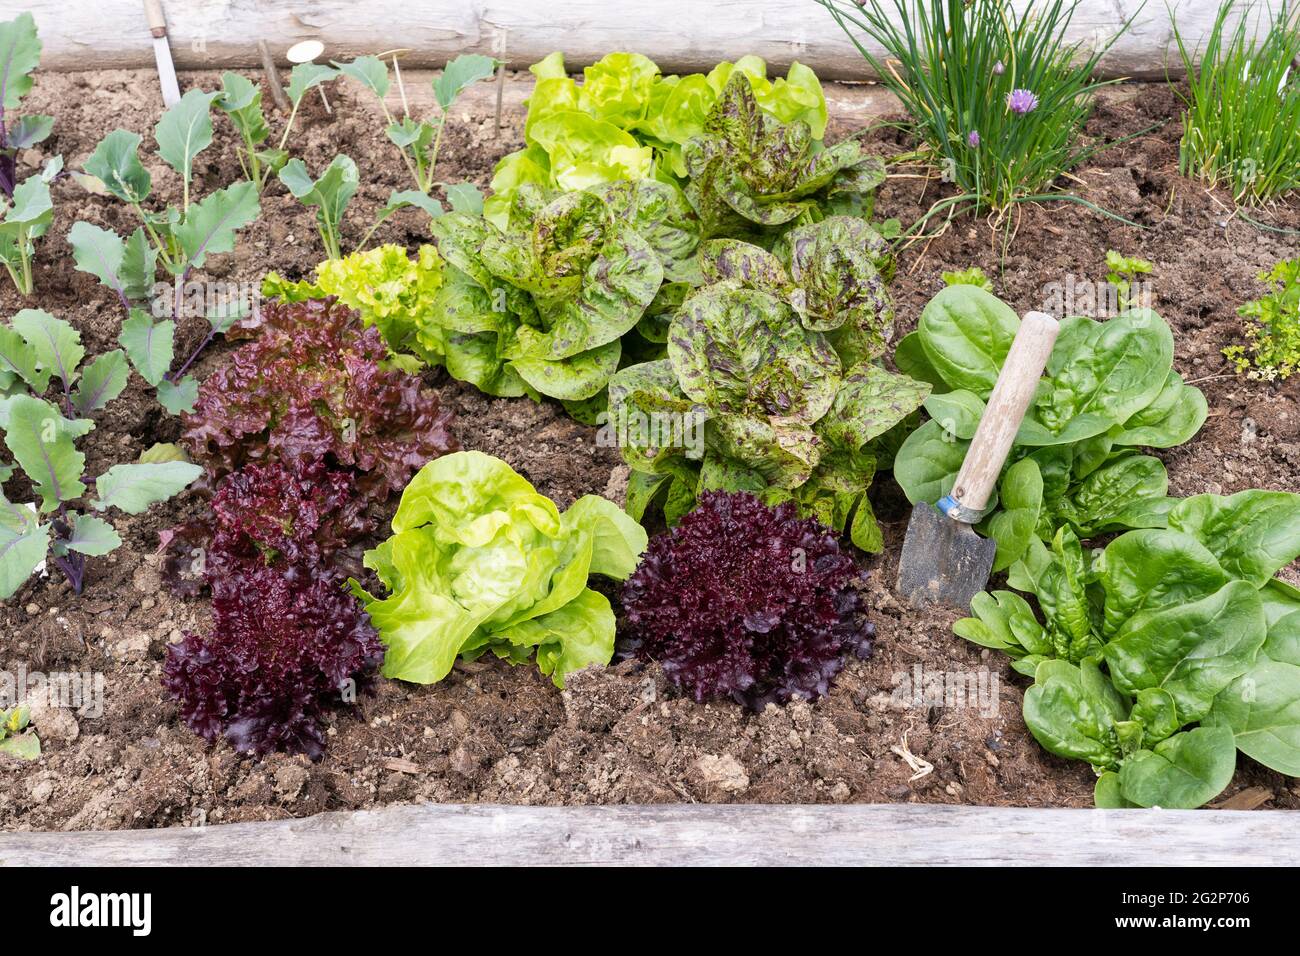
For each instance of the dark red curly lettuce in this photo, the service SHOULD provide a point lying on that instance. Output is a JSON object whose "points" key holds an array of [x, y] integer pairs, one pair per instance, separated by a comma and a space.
{"points": [[312, 385], [288, 638], [300, 514], [745, 601], [284, 648]]}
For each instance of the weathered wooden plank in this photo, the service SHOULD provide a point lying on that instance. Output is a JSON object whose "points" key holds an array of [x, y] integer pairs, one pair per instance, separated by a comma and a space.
{"points": [[680, 35], [686, 834]]}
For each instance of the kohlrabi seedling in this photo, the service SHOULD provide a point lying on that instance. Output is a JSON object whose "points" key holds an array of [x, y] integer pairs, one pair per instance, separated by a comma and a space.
{"points": [[178, 238], [331, 193], [418, 141], [241, 100], [39, 352], [23, 221], [25, 208], [20, 52]]}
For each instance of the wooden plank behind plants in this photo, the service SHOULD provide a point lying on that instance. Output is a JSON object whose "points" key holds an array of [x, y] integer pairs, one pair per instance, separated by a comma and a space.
{"points": [[680, 35], [690, 834]]}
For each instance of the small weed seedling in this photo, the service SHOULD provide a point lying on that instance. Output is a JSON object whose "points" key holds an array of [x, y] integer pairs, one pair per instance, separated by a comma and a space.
{"points": [[1273, 347], [178, 238], [1122, 272], [39, 352]]}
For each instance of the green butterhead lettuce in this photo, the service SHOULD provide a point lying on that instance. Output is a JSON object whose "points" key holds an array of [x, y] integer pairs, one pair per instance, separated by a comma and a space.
{"points": [[479, 561], [627, 121]]}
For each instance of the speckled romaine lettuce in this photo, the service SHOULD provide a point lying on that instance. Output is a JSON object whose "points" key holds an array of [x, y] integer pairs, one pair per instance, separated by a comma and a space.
{"points": [[777, 360]]}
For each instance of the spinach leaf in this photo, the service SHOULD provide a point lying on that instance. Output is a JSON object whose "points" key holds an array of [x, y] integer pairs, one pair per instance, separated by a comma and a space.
{"points": [[1182, 772], [1193, 650], [1252, 533]]}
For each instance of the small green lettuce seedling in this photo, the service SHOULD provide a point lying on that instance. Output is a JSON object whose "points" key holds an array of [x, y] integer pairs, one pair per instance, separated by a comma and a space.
{"points": [[1121, 272], [1273, 339], [39, 352], [418, 141], [180, 239], [973, 276], [15, 743]]}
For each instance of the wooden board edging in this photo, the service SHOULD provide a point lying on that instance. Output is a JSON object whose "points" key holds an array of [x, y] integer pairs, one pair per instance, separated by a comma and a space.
{"points": [[692, 835], [680, 35]]}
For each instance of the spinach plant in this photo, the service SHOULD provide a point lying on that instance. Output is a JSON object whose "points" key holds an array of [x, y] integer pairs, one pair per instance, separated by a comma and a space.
{"points": [[1109, 389], [20, 53], [179, 238], [418, 141], [241, 100], [1165, 653], [39, 352]]}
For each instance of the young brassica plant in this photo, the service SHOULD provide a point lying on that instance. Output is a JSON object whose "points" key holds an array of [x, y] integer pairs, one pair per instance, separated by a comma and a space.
{"points": [[61, 524], [180, 239], [25, 208], [241, 100], [331, 193], [20, 53], [24, 221], [418, 141]]}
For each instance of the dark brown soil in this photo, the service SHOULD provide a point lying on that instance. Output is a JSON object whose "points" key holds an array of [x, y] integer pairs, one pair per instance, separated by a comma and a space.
{"points": [[495, 733]]}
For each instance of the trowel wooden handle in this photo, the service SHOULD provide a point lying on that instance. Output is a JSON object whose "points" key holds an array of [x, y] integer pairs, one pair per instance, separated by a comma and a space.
{"points": [[153, 12], [1006, 407]]}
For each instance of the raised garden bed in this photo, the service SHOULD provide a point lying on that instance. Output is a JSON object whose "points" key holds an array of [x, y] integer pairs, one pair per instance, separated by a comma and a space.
{"points": [[491, 733]]}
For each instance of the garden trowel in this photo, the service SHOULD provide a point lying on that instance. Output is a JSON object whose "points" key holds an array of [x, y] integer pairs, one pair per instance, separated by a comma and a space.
{"points": [[162, 53], [944, 561]]}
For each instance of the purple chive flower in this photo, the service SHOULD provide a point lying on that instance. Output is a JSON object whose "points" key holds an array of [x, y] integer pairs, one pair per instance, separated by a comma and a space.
{"points": [[973, 139], [998, 68], [1021, 101]]}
